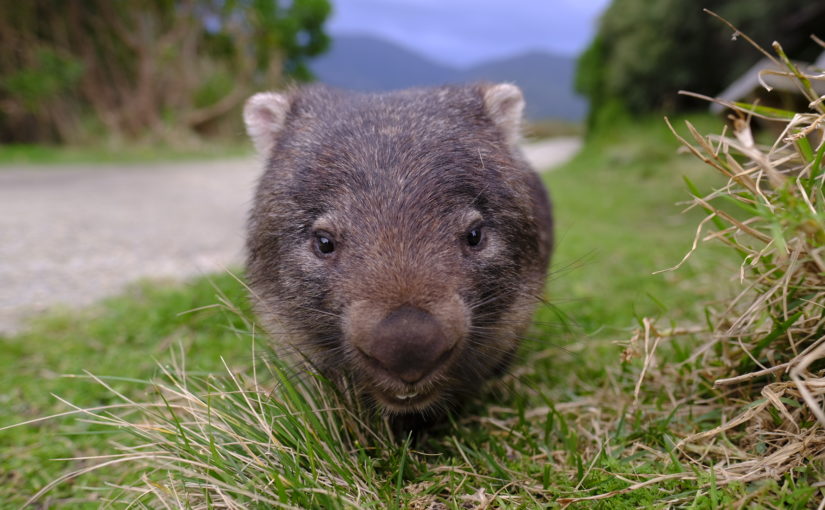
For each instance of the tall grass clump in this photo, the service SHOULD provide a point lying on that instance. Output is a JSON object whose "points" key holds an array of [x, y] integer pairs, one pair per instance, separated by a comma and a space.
{"points": [[268, 439], [755, 382]]}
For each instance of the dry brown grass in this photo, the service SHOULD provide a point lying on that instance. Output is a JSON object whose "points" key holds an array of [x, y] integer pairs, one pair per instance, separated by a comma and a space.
{"points": [[759, 362]]}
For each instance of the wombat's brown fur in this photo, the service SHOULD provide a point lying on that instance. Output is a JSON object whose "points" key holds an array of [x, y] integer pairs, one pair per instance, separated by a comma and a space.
{"points": [[399, 241]]}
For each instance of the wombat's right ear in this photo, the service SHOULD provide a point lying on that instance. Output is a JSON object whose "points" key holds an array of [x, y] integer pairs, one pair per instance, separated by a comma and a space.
{"points": [[504, 103], [265, 115]]}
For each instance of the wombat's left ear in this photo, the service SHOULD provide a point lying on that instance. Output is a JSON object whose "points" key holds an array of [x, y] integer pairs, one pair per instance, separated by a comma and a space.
{"points": [[504, 104], [265, 115]]}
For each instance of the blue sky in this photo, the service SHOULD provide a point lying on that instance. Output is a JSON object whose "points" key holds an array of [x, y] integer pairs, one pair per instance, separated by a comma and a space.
{"points": [[464, 32]]}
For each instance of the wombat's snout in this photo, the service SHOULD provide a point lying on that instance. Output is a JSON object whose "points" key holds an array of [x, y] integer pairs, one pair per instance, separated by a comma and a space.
{"points": [[409, 343]]}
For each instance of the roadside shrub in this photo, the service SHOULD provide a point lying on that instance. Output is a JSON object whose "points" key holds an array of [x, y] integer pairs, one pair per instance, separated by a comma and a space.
{"points": [[758, 371]]}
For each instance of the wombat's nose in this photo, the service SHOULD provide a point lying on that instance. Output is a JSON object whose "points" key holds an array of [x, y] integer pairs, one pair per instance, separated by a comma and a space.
{"points": [[408, 343]]}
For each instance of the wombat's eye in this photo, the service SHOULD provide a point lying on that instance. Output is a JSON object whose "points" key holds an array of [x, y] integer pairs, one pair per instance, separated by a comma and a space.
{"points": [[324, 245], [475, 238]]}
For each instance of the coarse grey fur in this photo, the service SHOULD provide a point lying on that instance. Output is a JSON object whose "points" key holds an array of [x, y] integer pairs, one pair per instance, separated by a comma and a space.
{"points": [[397, 182]]}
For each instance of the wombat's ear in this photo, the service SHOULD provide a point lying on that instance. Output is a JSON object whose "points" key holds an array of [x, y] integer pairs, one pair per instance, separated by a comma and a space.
{"points": [[265, 115], [504, 104]]}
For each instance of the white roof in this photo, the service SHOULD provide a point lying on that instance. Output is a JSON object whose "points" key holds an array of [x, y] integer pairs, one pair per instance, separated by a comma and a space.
{"points": [[750, 81]]}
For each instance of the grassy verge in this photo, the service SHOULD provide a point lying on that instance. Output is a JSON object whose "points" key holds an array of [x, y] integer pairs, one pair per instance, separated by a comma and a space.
{"points": [[563, 425], [18, 154], [544, 129], [123, 338]]}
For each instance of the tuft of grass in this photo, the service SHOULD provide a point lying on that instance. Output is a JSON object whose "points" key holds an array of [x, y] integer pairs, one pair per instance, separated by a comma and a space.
{"points": [[752, 379], [233, 440]]}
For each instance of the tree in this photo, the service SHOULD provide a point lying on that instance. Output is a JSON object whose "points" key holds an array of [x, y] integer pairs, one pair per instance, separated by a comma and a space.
{"points": [[644, 52], [156, 68]]}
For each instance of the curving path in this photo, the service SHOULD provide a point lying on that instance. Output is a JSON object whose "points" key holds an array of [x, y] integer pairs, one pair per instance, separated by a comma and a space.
{"points": [[74, 234]]}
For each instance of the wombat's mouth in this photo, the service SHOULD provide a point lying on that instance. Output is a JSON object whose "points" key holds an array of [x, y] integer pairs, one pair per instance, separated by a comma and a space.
{"points": [[397, 396], [401, 402]]}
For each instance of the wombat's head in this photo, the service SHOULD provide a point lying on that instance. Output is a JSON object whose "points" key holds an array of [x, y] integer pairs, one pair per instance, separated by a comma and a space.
{"points": [[398, 241]]}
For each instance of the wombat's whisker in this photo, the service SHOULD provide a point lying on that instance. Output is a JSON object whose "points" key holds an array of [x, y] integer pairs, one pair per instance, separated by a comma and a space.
{"points": [[552, 325], [322, 312], [543, 342], [574, 265], [485, 302], [482, 341]]}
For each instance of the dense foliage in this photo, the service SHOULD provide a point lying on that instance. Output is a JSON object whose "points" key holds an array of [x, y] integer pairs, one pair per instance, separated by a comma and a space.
{"points": [[74, 69], [645, 52]]}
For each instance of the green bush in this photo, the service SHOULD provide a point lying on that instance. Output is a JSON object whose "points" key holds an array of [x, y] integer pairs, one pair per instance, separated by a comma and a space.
{"points": [[645, 52]]}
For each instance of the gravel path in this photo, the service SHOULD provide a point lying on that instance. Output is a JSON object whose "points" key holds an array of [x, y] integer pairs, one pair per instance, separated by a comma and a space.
{"points": [[72, 235]]}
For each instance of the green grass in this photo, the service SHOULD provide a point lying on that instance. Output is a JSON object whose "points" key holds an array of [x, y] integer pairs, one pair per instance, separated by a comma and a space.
{"points": [[618, 222], [537, 436], [124, 337], [21, 154]]}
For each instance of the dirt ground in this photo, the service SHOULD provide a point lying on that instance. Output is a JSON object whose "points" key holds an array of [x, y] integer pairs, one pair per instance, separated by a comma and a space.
{"points": [[71, 235]]}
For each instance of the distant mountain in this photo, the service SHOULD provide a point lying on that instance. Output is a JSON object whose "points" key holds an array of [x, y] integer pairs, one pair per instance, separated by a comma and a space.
{"points": [[372, 64], [545, 79]]}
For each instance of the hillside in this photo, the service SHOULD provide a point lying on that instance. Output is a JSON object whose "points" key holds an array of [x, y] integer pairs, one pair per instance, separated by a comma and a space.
{"points": [[367, 63]]}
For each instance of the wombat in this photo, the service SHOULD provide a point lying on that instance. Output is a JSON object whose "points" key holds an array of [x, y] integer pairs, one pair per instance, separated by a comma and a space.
{"points": [[398, 241]]}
